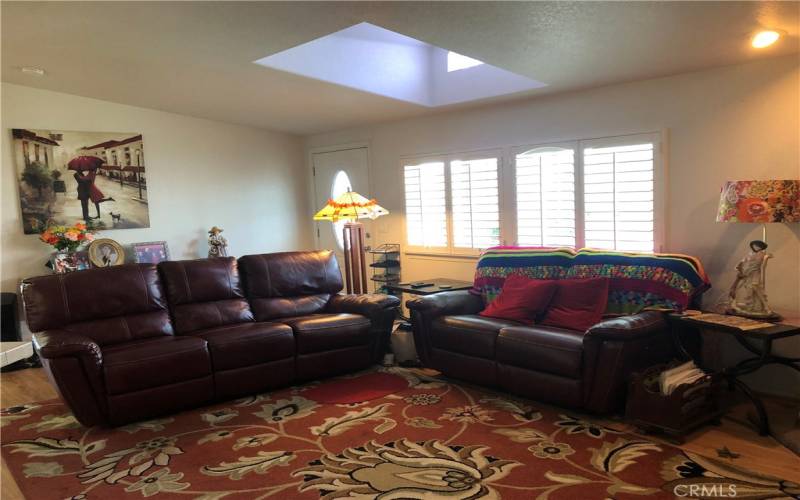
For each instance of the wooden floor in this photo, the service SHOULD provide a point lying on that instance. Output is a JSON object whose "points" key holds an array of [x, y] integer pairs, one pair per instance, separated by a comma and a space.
{"points": [[756, 453]]}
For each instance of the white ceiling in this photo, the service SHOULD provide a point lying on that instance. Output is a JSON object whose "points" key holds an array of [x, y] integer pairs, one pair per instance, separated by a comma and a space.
{"points": [[196, 58]]}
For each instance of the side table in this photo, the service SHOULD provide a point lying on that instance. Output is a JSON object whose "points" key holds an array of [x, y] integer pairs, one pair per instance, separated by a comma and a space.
{"points": [[435, 285], [11, 352], [757, 342]]}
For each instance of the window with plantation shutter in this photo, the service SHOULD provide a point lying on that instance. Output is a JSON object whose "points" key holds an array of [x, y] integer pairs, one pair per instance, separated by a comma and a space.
{"points": [[545, 185], [604, 193], [618, 186], [475, 202], [426, 214]]}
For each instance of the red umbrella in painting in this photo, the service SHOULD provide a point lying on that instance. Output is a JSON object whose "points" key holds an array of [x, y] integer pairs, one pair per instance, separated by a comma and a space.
{"points": [[82, 163]]}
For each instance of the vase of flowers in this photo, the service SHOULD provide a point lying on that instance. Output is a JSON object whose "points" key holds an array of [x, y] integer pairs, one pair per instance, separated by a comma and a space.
{"points": [[67, 240]]}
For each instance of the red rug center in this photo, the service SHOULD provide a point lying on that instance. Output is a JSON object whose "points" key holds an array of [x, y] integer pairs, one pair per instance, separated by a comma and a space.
{"points": [[357, 389]]}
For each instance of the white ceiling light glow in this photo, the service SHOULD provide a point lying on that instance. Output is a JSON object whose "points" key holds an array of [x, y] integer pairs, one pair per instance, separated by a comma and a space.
{"points": [[765, 39], [373, 59]]}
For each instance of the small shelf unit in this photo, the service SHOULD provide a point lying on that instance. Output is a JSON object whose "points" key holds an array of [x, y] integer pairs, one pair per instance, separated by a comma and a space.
{"points": [[385, 266]]}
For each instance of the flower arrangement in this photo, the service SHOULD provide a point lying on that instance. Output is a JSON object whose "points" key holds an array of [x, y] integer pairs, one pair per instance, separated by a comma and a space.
{"points": [[68, 238]]}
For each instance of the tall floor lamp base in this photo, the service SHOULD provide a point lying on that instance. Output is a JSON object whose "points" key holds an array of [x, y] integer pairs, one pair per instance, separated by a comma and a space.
{"points": [[355, 266]]}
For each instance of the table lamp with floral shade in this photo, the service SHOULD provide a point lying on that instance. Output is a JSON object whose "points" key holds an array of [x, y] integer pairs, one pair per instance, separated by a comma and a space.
{"points": [[351, 206], [756, 202]]}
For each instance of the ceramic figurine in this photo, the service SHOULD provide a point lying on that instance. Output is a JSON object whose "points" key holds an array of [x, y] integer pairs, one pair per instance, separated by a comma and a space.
{"points": [[217, 244], [747, 295]]}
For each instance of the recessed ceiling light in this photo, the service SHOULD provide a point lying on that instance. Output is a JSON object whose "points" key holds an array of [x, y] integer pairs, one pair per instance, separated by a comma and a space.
{"points": [[32, 70], [765, 39]]}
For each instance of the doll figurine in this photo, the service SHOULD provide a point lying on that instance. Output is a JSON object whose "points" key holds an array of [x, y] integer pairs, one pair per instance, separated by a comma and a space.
{"points": [[747, 295], [217, 244]]}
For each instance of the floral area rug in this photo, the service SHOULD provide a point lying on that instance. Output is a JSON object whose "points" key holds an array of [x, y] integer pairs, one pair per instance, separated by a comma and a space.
{"points": [[433, 439]]}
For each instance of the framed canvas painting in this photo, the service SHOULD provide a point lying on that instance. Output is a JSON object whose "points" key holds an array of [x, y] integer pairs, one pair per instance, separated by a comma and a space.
{"points": [[65, 176]]}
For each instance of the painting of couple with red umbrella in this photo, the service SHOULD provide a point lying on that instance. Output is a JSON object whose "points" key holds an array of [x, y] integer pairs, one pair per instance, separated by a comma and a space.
{"points": [[95, 177]]}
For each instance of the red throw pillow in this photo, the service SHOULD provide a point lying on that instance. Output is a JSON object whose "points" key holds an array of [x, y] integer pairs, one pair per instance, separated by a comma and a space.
{"points": [[521, 299], [578, 304]]}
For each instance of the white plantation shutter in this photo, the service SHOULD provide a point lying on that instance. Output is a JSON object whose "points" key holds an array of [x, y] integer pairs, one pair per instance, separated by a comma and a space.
{"points": [[619, 206], [426, 216], [601, 193], [545, 180], [475, 202]]}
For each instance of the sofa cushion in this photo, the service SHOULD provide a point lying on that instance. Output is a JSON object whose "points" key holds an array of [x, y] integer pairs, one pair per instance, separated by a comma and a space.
{"points": [[468, 334], [133, 366], [290, 283], [109, 305], [578, 304], [326, 332], [541, 348], [274, 308], [246, 344], [289, 274], [204, 293], [521, 299], [111, 331]]}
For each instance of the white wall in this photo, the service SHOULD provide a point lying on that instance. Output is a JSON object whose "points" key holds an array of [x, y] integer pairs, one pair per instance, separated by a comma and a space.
{"points": [[735, 122], [200, 173]]}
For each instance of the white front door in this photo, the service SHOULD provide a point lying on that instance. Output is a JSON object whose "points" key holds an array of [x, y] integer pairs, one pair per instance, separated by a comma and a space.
{"points": [[334, 173]]}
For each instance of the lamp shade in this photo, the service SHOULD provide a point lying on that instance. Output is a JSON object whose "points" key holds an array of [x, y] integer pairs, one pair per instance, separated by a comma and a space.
{"points": [[760, 201], [350, 206]]}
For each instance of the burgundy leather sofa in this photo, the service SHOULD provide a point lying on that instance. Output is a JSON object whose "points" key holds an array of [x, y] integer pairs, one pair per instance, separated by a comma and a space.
{"points": [[333, 333], [207, 302], [135, 341], [586, 370]]}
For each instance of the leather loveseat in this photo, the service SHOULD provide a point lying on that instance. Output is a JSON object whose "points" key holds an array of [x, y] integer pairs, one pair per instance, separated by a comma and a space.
{"points": [[578, 369], [131, 342]]}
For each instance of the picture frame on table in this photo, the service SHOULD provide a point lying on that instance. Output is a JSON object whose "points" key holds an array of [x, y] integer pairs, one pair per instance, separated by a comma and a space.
{"points": [[67, 262], [150, 252], [105, 252]]}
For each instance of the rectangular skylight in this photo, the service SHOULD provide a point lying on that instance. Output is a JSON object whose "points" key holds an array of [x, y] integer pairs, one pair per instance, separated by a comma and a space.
{"points": [[373, 59], [456, 62]]}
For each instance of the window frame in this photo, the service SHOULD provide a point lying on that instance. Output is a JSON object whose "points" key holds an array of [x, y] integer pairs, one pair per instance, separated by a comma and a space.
{"points": [[518, 150], [414, 161], [470, 156], [507, 189], [451, 249], [659, 178]]}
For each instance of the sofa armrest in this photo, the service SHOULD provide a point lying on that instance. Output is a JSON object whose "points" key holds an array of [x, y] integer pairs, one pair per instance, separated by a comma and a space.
{"points": [[629, 327], [424, 310], [370, 305], [379, 308], [53, 344], [616, 348], [74, 364], [446, 303]]}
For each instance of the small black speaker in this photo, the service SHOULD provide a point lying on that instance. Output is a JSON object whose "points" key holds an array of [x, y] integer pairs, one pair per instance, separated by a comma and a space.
{"points": [[9, 323]]}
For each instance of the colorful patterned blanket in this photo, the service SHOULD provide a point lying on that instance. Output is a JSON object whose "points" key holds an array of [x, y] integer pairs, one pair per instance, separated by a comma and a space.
{"points": [[638, 281]]}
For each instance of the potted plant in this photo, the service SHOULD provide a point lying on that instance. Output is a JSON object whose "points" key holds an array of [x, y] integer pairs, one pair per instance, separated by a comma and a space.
{"points": [[67, 240]]}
